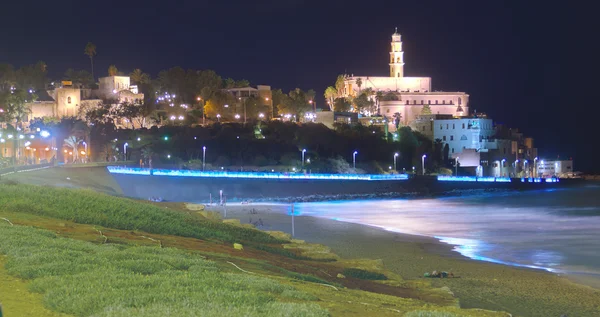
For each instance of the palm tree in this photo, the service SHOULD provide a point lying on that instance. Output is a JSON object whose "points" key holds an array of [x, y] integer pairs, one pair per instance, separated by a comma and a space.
{"points": [[112, 70], [147, 154], [339, 85], [378, 98], [139, 77], [330, 94], [359, 83], [90, 50], [73, 143]]}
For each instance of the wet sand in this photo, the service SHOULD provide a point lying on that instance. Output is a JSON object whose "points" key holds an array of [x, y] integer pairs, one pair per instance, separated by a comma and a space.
{"points": [[520, 291]]}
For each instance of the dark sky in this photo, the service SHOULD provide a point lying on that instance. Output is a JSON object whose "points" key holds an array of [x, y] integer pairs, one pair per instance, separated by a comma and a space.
{"points": [[527, 64]]}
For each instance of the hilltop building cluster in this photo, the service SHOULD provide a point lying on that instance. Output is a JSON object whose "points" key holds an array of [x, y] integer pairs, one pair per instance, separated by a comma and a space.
{"points": [[474, 141]]}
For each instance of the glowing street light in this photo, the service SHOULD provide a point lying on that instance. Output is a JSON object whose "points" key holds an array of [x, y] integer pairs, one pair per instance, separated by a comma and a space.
{"points": [[395, 157], [423, 162], [125, 150], [456, 166], [261, 115], [203, 157], [237, 116], [354, 159], [218, 117], [303, 151], [535, 168], [44, 134]]}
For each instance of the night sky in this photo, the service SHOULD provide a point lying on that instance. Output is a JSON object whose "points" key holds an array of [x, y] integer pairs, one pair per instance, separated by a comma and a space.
{"points": [[524, 63]]}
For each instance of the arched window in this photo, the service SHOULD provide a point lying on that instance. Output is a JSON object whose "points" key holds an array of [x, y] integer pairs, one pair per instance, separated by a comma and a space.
{"points": [[69, 100]]}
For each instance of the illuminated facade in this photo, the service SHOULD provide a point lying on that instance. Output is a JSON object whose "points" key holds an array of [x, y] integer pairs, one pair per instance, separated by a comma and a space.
{"points": [[406, 95]]}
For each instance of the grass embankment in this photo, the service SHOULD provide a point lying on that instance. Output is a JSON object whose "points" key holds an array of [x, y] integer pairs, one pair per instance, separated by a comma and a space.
{"points": [[96, 178], [89, 207], [96, 279], [83, 279]]}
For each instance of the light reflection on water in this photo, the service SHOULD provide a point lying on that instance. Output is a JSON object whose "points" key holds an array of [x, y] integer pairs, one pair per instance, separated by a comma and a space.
{"points": [[551, 230]]}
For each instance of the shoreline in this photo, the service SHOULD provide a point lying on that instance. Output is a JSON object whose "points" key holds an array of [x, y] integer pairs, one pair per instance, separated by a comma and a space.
{"points": [[488, 285]]}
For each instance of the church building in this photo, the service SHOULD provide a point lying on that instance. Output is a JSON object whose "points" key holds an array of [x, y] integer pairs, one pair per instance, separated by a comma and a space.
{"points": [[406, 95]]}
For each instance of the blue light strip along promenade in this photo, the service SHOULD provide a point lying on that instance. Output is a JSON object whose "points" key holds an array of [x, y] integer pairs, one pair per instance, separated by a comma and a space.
{"points": [[206, 174], [444, 178]]}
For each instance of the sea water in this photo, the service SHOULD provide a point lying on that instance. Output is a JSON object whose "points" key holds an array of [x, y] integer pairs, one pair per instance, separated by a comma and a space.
{"points": [[556, 230]]}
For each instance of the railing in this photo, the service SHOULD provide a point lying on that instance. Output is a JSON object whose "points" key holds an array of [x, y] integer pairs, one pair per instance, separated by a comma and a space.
{"points": [[23, 168], [252, 175]]}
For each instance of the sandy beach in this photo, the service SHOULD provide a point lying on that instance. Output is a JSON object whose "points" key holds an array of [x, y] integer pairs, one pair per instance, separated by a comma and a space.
{"points": [[520, 291]]}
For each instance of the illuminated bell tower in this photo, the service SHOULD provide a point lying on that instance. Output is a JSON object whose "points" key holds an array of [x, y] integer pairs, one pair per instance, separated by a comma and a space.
{"points": [[396, 56]]}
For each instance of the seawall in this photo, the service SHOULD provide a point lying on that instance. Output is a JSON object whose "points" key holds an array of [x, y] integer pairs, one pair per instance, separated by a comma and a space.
{"points": [[236, 188]]}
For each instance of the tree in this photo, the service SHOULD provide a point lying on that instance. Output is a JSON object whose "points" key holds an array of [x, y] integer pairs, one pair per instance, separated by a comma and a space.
{"points": [[228, 83], [340, 83], [80, 77], [426, 109], [296, 103], [147, 154], [363, 104], [16, 107], [279, 99], [73, 143], [359, 84], [138, 77], [255, 106], [241, 84], [408, 145], [112, 70], [446, 153], [397, 118], [378, 98], [341, 105], [90, 51], [330, 94]]}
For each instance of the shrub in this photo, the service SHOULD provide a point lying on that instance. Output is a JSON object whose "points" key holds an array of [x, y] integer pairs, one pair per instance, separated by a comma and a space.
{"points": [[363, 274]]}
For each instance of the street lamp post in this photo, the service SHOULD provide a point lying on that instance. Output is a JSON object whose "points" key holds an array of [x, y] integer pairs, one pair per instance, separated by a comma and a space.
{"points": [[354, 159], [395, 157], [502, 166], [516, 165], [218, 117], [85, 146], [125, 150], [456, 166], [303, 151], [423, 162], [535, 168], [203, 157]]}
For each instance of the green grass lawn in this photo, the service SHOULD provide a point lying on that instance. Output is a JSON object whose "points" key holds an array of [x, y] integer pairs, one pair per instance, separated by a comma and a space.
{"points": [[82, 276], [86, 279], [90, 207]]}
